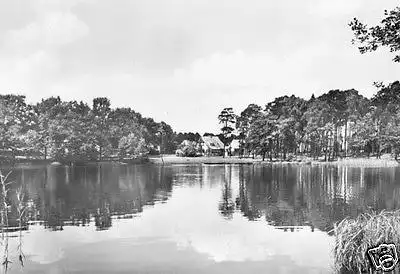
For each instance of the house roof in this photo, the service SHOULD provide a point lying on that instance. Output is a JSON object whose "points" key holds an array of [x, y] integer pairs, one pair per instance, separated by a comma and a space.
{"points": [[213, 142]]}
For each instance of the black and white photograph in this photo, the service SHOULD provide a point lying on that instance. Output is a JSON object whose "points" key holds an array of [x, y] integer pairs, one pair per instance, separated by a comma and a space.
{"points": [[199, 137]]}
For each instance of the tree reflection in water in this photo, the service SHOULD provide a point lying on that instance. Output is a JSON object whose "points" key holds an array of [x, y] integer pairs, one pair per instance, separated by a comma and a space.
{"points": [[102, 217], [53, 219], [289, 197], [293, 197], [226, 205], [244, 205], [80, 217], [60, 196]]}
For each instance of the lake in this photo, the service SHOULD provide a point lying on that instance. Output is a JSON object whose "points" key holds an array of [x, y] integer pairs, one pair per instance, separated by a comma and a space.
{"points": [[111, 218]]}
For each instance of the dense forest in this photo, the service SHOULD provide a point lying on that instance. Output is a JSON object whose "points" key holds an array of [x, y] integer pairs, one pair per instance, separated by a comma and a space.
{"points": [[335, 124], [75, 131]]}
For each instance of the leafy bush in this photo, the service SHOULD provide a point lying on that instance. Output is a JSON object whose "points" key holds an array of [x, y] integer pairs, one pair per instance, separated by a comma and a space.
{"points": [[188, 149], [132, 145]]}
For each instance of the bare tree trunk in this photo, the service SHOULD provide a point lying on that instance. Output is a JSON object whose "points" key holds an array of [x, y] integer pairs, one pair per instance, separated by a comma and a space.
{"points": [[226, 125], [345, 140], [333, 148], [277, 149], [378, 154]]}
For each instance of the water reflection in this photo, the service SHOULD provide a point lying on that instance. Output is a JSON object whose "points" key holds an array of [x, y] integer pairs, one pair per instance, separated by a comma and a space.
{"points": [[291, 197], [65, 196], [211, 214], [226, 205], [287, 197]]}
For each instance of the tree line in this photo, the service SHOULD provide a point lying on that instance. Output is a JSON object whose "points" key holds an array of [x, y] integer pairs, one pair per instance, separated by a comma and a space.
{"points": [[336, 124], [75, 131]]}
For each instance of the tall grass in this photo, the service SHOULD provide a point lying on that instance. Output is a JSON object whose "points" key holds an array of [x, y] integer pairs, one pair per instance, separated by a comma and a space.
{"points": [[4, 219], [4, 209], [21, 214], [353, 237]]}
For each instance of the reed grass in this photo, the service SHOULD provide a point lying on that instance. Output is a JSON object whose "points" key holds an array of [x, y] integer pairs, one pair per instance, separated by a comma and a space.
{"points": [[4, 209], [353, 237], [4, 220], [21, 214]]}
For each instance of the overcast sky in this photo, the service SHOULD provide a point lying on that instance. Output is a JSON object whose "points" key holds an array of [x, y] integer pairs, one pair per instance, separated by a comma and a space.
{"points": [[182, 61]]}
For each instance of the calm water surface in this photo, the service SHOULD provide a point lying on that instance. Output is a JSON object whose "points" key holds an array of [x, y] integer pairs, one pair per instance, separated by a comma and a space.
{"points": [[192, 218]]}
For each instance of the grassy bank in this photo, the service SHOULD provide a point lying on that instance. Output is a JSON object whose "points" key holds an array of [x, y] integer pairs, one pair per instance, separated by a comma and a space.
{"points": [[353, 238], [356, 162], [22, 162], [172, 159], [368, 162]]}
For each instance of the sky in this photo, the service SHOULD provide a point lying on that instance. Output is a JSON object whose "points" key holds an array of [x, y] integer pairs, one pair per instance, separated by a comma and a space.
{"points": [[183, 61]]}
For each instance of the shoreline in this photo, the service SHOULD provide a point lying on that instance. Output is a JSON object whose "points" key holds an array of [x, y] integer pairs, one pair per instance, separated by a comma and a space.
{"points": [[219, 160], [349, 162]]}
